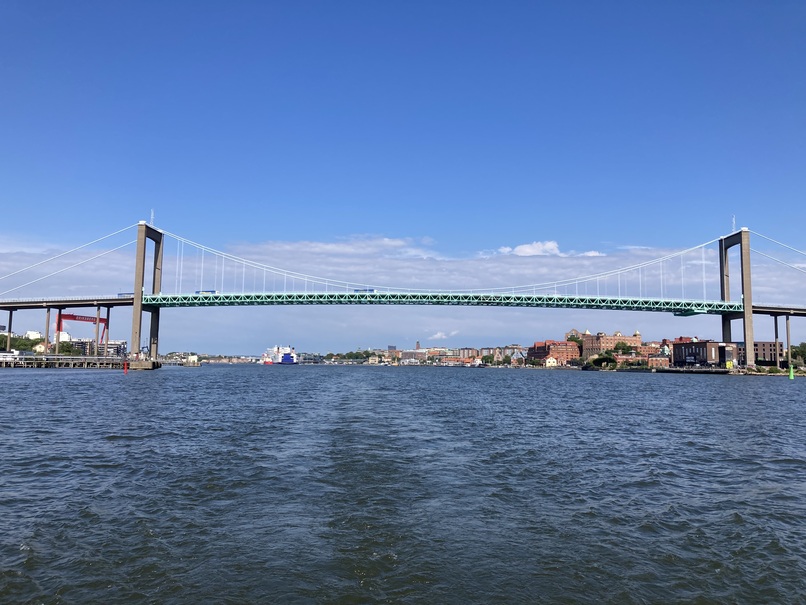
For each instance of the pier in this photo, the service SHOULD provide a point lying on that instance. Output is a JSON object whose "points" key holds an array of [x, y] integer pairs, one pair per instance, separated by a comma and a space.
{"points": [[69, 361]]}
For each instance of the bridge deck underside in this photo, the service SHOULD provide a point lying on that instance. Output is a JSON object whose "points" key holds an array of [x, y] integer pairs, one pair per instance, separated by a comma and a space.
{"points": [[678, 307]]}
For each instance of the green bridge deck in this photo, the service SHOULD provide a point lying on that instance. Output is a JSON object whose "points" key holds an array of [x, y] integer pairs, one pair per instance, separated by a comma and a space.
{"points": [[620, 303]]}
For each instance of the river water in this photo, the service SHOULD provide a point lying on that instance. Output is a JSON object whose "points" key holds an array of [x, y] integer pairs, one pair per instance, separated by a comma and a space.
{"points": [[324, 484]]}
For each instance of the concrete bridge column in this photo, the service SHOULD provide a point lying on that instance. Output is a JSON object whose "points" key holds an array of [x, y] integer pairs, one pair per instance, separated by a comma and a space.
{"points": [[146, 232], [741, 239], [8, 329], [106, 334], [777, 355], [57, 346], [97, 327], [724, 289], [47, 330], [788, 345]]}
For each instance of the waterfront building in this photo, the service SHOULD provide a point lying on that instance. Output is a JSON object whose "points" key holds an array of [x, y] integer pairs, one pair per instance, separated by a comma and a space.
{"points": [[518, 358], [576, 333], [561, 351], [413, 355], [601, 342], [658, 361], [512, 350], [704, 353], [86, 346], [765, 352], [83, 346], [651, 348]]}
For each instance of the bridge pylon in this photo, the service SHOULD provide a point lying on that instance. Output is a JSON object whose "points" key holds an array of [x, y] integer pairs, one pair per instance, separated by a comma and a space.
{"points": [[146, 232], [742, 239]]}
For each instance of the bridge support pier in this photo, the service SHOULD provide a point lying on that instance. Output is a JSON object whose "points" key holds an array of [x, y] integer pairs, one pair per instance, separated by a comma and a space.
{"points": [[47, 331], [8, 329], [97, 327], [106, 334], [777, 355], [56, 333], [146, 232], [788, 345], [741, 239]]}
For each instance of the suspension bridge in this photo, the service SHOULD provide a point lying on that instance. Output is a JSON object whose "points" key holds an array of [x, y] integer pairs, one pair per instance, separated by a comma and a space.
{"points": [[201, 276]]}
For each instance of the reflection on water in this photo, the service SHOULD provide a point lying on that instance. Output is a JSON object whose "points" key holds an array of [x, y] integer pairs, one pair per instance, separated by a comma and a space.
{"points": [[415, 485]]}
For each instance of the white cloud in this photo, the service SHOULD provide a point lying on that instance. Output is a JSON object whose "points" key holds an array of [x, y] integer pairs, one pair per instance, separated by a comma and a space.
{"points": [[442, 335], [401, 262], [547, 248], [592, 253]]}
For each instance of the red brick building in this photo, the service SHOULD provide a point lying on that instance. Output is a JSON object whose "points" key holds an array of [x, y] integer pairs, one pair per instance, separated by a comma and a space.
{"points": [[562, 351], [601, 342]]}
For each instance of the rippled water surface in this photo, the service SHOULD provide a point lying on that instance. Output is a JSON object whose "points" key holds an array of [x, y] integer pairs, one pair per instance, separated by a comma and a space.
{"points": [[320, 484]]}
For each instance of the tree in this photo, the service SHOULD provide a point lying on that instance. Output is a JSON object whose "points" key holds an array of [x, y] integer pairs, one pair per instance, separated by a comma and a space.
{"points": [[19, 344], [604, 359], [622, 347]]}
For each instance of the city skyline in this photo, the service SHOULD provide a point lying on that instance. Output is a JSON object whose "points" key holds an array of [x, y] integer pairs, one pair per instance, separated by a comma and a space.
{"points": [[425, 145]]}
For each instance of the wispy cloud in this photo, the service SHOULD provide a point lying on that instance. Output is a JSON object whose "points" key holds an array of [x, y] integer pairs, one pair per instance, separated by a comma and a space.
{"points": [[399, 262], [443, 335], [547, 248]]}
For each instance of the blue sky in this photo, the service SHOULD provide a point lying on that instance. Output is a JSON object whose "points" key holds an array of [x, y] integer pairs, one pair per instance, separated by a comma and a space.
{"points": [[451, 131]]}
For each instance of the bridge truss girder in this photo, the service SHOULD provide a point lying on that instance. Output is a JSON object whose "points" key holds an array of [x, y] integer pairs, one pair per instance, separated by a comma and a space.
{"points": [[678, 307]]}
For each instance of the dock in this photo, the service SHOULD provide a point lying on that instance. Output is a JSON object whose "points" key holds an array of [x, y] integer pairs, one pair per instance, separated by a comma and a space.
{"points": [[76, 362]]}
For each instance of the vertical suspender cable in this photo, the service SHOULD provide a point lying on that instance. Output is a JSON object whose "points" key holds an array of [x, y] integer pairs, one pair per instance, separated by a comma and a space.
{"points": [[176, 280], [682, 279], [704, 295], [181, 266]]}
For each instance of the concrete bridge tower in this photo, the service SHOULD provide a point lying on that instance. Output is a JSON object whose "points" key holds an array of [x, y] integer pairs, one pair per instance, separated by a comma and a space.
{"points": [[146, 232], [742, 239]]}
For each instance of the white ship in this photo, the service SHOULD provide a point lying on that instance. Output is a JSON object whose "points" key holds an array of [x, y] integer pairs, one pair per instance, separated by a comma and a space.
{"points": [[279, 356]]}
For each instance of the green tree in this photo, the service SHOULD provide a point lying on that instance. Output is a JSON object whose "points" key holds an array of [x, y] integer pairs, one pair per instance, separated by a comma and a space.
{"points": [[604, 360], [622, 347], [20, 344]]}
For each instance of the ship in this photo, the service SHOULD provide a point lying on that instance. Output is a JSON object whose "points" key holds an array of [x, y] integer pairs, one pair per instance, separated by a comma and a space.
{"points": [[279, 356]]}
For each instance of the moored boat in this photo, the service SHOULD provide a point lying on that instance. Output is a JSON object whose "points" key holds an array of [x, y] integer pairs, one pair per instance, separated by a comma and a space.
{"points": [[279, 356]]}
